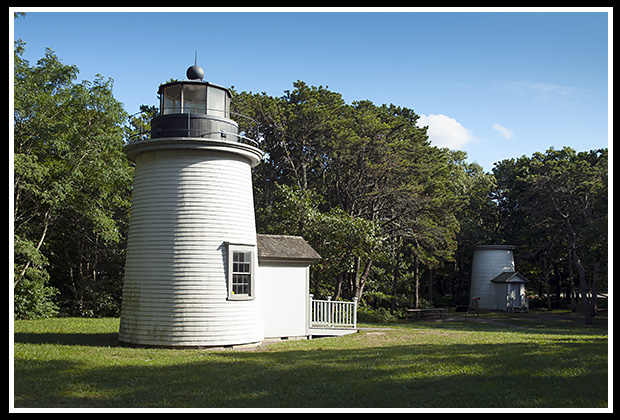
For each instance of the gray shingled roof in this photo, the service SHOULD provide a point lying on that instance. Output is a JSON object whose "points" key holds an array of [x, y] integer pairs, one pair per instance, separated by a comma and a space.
{"points": [[282, 247], [510, 277]]}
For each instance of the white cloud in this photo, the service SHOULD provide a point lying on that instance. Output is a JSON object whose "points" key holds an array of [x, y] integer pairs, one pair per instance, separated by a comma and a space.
{"points": [[505, 132], [444, 131]]}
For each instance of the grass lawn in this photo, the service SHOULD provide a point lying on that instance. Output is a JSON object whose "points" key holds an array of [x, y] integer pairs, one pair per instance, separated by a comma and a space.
{"points": [[523, 360]]}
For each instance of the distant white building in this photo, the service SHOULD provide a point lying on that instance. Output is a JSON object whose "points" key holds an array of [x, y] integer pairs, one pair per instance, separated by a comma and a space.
{"points": [[495, 285], [196, 272]]}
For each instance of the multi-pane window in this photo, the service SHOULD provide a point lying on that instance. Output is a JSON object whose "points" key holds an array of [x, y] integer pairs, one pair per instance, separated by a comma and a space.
{"points": [[241, 272]]}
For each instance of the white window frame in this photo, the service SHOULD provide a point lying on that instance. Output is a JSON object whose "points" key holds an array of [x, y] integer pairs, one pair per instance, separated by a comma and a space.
{"points": [[232, 249]]}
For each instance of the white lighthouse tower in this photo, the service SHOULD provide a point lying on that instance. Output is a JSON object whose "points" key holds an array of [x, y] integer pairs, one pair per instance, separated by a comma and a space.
{"points": [[191, 266], [495, 285]]}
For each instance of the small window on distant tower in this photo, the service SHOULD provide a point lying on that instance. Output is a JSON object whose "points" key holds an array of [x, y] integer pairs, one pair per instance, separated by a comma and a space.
{"points": [[240, 272]]}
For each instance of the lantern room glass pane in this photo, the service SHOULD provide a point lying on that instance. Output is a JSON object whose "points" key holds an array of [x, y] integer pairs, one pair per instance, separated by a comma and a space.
{"points": [[216, 102], [172, 100], [194, 99]]}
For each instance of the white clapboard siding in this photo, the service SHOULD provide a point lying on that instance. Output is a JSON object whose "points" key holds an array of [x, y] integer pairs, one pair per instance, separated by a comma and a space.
{"points": [[186, 205], [488, 262], [285, 298]]}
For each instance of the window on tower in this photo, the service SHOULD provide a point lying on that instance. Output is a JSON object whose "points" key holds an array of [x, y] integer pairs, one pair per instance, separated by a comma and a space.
{"points": [[240, 272]]}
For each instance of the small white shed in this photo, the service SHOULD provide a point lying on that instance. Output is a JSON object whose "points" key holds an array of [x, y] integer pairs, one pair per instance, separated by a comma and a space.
{"points": [[284, 275], [510, 292]]}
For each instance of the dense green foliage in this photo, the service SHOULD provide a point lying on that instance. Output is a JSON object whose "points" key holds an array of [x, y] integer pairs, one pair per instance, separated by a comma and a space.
{"points": [[554, 207], [529, 360], [362, 184], [71, 191], [394, 218]]}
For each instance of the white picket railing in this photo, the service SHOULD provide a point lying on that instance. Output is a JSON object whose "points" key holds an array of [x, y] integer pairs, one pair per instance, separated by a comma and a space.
{"points": [[333, 314]]}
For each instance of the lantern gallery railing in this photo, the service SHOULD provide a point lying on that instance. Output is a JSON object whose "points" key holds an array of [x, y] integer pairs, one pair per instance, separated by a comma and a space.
{"points": [[333, 314], [224, 135], [195, 125]]}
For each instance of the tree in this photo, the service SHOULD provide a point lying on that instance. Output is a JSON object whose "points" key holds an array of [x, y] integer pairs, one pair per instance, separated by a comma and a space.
{"points": [[476, 217], [71, 184], [554, 206], [573, 188], [374, 170], [140, 124], [342, 241]]}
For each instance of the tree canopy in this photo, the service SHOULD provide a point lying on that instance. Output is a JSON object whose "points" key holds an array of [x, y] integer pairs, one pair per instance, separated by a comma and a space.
{"points": [[71, 186], [555, 209]]}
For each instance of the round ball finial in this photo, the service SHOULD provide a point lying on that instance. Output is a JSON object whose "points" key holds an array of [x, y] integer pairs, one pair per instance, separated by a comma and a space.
{"points": [[195, 73]]}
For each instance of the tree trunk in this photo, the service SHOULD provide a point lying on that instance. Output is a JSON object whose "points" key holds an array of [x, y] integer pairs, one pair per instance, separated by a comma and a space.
{"points": [[558, 286], [583, 288], [571, 280], [395, 277], [595, 286], [46, 223], [430, 286], [360, 279], [547, 291], [416, 275], [339, 279]]}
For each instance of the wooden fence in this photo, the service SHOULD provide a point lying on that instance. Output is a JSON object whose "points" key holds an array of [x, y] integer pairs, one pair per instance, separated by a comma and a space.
{"points": [[333, 314]]}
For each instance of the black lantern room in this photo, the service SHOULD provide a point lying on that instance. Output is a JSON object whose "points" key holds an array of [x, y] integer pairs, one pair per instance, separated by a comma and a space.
{"points": [[194, 108]]}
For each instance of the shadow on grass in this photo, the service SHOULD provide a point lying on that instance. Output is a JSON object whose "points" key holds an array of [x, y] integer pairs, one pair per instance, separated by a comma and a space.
{"points": [[522, 374], [530, 323], [393, 368], [70, 339]]}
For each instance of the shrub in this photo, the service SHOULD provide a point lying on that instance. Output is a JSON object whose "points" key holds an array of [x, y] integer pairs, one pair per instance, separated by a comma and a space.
{"points": [[375, 315]]}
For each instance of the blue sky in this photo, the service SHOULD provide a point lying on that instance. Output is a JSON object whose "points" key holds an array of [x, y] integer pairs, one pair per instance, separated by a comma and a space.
{"points": [[497, 84]]}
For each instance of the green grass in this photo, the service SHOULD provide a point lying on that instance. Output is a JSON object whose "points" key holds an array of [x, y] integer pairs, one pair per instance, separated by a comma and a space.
{"points": [[519, 361]]}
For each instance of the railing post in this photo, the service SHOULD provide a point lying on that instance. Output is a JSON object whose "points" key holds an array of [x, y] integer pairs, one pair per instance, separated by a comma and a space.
{"points": [[309, 316], [355, 312], [329, 312]]}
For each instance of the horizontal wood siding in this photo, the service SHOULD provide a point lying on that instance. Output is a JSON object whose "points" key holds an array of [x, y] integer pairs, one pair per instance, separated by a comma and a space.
{"points": [[186, 205], [486, 265]]}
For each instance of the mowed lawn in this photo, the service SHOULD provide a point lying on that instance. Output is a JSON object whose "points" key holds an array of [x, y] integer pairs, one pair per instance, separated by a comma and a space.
{"points": [[526, 360]]}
